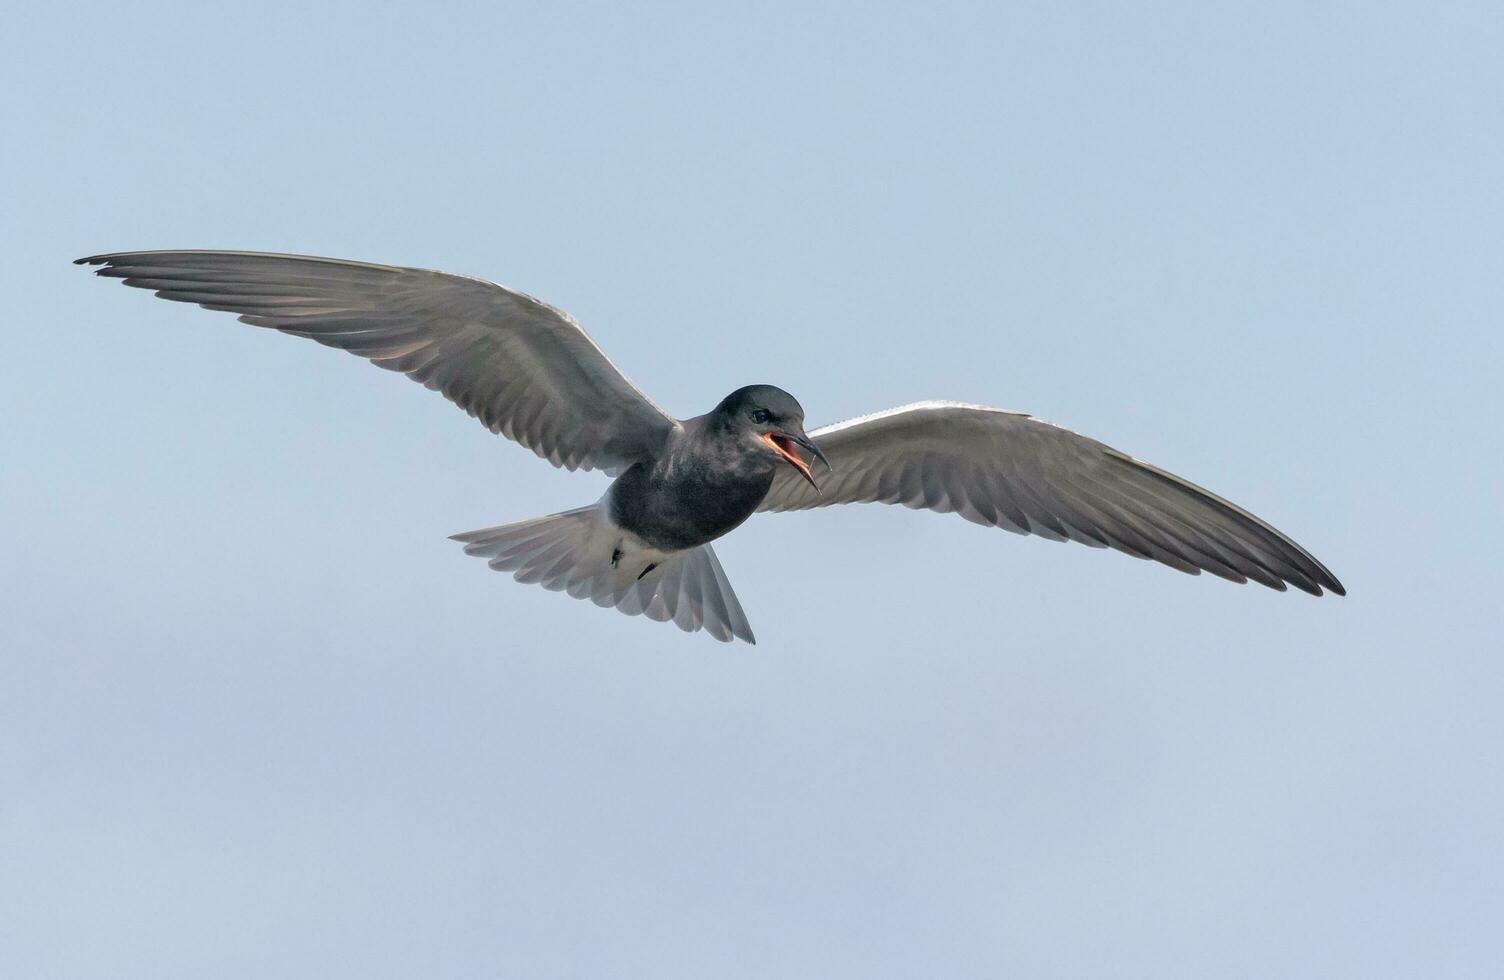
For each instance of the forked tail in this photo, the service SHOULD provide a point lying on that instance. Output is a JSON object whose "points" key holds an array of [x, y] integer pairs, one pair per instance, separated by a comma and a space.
{"points": [[574, 552]]}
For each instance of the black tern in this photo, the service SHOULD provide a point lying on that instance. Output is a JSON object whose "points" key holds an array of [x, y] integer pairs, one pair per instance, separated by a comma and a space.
{"points": [[529, 372]]}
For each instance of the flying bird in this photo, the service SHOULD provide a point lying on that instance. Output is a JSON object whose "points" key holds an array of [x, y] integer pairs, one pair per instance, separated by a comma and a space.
{"points": [[529, 372]]}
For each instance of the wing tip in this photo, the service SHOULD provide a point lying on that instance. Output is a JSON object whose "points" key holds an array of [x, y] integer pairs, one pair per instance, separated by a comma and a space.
{"points": [[1331, 584], [1325, 578], [1317, 585]]}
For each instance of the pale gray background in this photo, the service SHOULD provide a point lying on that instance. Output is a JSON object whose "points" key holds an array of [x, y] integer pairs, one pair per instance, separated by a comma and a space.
{"points": [[258, 718]]}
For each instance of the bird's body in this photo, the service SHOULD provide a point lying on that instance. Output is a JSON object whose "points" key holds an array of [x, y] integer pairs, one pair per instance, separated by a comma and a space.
{"points": [[530, 373], [694, 493], [703, 484]]}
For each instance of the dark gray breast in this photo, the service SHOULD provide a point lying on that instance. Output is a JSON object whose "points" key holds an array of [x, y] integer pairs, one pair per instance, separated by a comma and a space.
{"points": [[705, 484]]}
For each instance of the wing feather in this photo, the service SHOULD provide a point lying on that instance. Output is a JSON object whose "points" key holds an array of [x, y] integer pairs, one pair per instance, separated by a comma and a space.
{"points": [[524, 369], [1013, 471]]}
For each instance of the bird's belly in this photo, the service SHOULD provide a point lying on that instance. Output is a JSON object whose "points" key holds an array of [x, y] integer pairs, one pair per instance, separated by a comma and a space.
{"points": [[678, 515]]}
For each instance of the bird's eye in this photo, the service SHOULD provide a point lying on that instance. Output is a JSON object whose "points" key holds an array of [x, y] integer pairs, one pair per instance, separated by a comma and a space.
{"points": [[760, 415]]}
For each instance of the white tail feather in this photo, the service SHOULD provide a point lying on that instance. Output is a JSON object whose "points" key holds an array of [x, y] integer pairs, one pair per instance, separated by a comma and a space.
{"points": [[572, 552]]}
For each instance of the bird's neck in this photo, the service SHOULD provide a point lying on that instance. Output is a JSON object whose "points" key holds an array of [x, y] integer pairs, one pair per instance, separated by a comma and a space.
{"points": [[720, 449]]}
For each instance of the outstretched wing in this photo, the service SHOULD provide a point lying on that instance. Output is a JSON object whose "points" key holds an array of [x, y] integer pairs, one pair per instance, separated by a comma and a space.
{"points": [[523, 368], [1013, 471]]}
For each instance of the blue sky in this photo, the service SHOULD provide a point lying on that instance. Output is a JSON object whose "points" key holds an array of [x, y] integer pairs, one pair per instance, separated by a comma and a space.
{"points": [[259, 718]]}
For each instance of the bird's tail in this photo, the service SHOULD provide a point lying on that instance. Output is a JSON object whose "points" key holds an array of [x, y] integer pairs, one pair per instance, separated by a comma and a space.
{"points": [[576, 552]]}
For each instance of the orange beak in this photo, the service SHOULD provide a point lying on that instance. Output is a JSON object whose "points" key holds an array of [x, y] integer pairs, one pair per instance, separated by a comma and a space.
{"points": [[785, 447]]}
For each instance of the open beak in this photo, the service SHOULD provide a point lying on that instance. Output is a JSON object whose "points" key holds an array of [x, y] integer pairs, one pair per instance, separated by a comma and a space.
{"points": [[785, 444]]}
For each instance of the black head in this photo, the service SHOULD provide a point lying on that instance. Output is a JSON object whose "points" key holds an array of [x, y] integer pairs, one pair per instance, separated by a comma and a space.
{"points": [[774, 420], [761, 405]]}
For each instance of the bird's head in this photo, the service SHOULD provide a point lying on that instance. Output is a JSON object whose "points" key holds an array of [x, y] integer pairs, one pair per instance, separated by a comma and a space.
{"points": [[772, 421]]}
